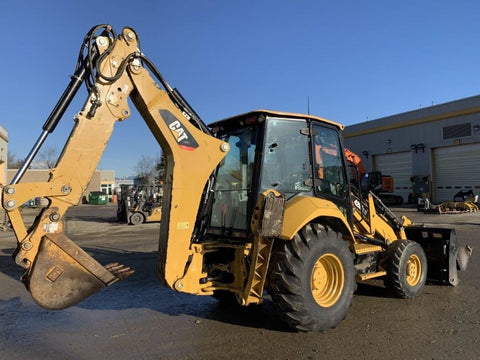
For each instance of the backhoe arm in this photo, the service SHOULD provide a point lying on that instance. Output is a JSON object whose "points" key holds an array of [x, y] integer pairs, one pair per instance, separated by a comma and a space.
{"points": [[58, 273]]}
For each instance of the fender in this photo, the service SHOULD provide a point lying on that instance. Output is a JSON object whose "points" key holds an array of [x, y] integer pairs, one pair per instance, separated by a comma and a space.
{"points": [[304, 209]]}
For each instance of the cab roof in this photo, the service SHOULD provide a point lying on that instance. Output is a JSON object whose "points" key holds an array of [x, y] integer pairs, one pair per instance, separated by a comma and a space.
{"points": [[274, 113]]}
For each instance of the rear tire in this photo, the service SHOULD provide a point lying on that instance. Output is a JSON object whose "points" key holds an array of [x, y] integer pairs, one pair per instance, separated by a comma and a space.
{"points": [[312, 279], [406, 266]]}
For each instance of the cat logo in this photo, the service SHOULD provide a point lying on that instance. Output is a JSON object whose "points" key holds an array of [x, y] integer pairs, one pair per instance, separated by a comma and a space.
{"points": [[184, 138]]}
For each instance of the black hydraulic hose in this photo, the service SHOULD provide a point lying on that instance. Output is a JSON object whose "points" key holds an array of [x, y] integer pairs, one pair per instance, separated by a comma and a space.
{"points": [[90, 58], [176, 97], [52, 121], [83, 71], [66, 98], [181, 100]]}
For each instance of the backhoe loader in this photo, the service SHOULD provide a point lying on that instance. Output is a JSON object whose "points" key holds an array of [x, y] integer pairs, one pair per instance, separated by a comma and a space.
{"points": [[255, 204]]}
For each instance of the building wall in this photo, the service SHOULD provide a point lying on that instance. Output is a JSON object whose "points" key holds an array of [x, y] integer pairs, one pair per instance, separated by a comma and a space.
{"points": [[419, 132], [107, 182]]}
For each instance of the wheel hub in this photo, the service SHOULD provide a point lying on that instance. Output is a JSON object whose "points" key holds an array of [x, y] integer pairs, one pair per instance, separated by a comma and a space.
{"points": [[413, 270], [327, 280]]}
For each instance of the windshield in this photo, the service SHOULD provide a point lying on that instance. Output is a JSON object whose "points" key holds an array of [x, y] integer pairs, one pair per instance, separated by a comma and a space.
{"points": [[234, 181]]}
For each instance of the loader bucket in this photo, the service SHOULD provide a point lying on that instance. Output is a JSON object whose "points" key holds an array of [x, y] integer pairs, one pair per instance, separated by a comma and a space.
{"points": [[63, 274], [441, 248]]}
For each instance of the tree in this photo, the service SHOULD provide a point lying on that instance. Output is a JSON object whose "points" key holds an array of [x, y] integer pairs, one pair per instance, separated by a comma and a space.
{"points": [[146, 169], [12, 161], [161, 168], [47, 158]]}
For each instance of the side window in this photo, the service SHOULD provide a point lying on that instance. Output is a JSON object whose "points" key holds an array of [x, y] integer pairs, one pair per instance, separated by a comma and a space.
{"points": [[286, 161], [328, 161]]}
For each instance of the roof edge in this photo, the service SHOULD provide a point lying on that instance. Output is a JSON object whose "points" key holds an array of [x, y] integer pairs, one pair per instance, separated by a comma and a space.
{"points": [[281, 113]]}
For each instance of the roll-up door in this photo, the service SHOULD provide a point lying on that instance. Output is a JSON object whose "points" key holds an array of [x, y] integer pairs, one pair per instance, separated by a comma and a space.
{"points": [[456, 168], [399, 166]]}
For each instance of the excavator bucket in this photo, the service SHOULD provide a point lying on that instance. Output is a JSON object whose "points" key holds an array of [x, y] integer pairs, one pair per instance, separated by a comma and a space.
{"points": [[63, 274], [442, 250]]}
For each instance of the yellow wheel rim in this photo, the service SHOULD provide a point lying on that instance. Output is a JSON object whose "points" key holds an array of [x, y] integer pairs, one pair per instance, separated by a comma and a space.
{"points": [[327, 280], [413, 270]]}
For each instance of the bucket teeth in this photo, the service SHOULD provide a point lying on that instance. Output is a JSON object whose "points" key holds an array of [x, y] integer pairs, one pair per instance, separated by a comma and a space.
{"points": [[120, 271]]}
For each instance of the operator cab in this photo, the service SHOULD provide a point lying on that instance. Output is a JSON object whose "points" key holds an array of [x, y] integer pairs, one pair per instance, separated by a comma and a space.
{"points": [[290, 153]]}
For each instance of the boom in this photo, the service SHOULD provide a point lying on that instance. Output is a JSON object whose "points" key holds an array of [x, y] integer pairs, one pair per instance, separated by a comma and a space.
{"points": [[57, 272]]}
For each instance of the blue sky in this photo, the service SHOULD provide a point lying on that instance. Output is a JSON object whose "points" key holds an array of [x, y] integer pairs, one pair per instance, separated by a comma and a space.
{"points": [[354, 60]]}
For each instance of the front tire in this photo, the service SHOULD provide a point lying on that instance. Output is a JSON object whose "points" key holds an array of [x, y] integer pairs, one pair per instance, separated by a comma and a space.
{"points": [[406, 266], [312, 279], [137, 218]]}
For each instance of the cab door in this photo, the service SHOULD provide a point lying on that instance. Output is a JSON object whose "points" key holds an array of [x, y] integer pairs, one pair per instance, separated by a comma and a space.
{"points": [[330, 179]]}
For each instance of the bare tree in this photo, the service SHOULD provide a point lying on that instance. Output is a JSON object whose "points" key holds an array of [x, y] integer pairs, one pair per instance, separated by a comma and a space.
{"points": [[161, 168], [146, 169], [47, 158], [12, 161]]}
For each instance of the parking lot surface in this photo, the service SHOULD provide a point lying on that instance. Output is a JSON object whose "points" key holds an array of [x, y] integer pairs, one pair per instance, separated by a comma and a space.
{"points": [[138, 318]]}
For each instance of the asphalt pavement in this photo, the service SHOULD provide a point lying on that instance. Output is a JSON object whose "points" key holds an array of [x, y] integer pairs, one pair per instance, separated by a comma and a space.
{"points": [[138, 318]]}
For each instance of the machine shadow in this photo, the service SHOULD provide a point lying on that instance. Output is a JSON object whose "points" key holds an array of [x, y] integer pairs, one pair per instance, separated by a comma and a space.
{"points": [[373, 288], [7, 264], [143, 290], [94, 218]]}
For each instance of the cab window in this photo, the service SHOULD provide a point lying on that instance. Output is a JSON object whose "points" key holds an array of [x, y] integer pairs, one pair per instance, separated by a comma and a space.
{"points": [[329, 174], [286, 161]]}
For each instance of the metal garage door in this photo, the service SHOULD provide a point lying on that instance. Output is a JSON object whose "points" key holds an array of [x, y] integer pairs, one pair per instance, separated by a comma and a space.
{"points": [[456, 168], [398, 165]]}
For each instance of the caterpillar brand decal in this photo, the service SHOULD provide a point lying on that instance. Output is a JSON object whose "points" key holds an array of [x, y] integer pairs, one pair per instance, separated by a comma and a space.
{"points": [[184, 139]]}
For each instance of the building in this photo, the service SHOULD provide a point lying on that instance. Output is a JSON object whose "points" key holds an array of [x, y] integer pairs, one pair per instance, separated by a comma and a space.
{"points": [[107, 182], [102, 180], [441, 141], [120, 182]]}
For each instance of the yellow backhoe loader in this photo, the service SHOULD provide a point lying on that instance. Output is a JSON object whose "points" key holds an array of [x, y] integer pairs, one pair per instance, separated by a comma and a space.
{"points": [[256, 203]]}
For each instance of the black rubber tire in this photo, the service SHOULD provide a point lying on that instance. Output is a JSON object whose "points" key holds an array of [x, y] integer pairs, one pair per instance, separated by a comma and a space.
{"points": [[291, 281], [396, 260], [137, 218]]}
